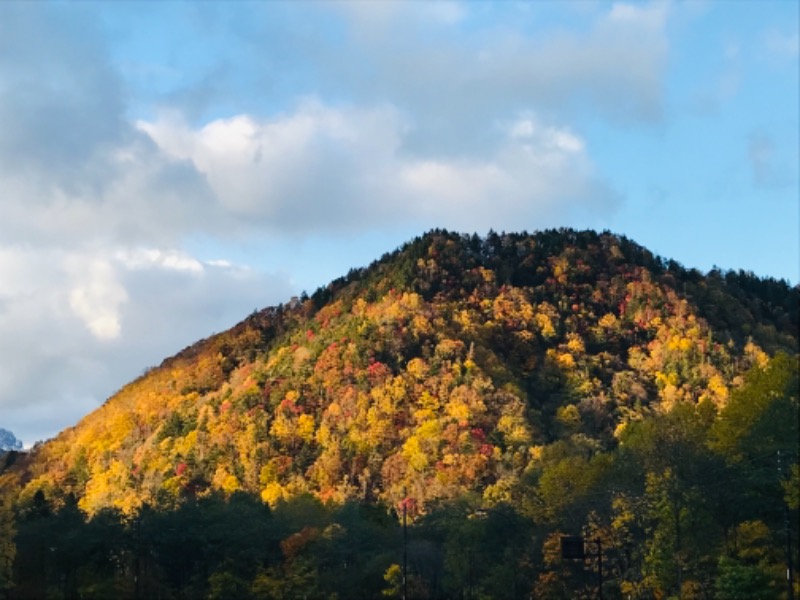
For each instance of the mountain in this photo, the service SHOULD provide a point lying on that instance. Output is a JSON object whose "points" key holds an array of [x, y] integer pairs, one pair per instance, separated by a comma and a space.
{"points": [[8, 441], [440, 368], [518, 385]]}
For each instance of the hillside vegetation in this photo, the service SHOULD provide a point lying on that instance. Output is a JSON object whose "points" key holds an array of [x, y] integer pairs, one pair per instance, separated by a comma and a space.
{"points": [[499, 391]]}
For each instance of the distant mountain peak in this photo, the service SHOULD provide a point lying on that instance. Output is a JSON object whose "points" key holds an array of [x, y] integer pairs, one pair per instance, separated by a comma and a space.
{"points": [[8, 441]]}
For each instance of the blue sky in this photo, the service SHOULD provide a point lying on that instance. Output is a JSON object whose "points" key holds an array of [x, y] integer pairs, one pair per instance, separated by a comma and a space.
{"points": [[166, 168]]}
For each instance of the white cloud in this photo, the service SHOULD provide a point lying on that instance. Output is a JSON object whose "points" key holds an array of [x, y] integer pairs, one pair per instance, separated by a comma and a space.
{"points": [[97, 297], [641, 16], [219, 262], [321, 168], [552, 138], [142, 258], [76, 325], [144, 197]]}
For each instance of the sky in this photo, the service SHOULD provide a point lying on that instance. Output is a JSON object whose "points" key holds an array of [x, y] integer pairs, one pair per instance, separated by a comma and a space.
{"points": [[167, 168]]}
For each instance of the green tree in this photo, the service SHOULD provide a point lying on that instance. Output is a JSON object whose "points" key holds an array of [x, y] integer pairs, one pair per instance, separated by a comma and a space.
{"points": [[8, 548], [757, 434], [739, 581], [224, 585], [682, 486], [761, 417]]}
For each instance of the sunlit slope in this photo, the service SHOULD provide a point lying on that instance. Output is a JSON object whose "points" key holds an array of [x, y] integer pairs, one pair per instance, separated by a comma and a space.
{"points": [[442, 368]]}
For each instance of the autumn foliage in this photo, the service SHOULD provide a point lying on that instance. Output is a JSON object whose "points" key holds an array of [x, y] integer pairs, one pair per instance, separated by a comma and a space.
{"points": [[563, 381]]}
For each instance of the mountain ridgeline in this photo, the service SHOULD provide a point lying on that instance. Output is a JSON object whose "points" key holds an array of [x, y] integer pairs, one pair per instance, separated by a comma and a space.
{"points": [[570, 378]]}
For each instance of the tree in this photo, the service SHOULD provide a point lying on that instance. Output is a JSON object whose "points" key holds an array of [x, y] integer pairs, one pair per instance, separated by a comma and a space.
{"points": [[761, 416], [739, 581], [8, 548], [682, 488]]}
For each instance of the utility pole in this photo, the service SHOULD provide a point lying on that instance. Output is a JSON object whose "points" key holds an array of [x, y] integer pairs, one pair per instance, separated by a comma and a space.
{"points": [[405, 545], [787, 525], [599, 568]]}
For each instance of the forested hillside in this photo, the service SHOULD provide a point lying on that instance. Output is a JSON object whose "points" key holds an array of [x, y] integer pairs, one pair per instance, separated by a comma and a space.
{"points": [[498, 391]]}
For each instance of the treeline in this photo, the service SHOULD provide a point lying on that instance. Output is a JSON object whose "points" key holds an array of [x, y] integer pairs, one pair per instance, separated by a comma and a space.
{"points": [[236, 547]]}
